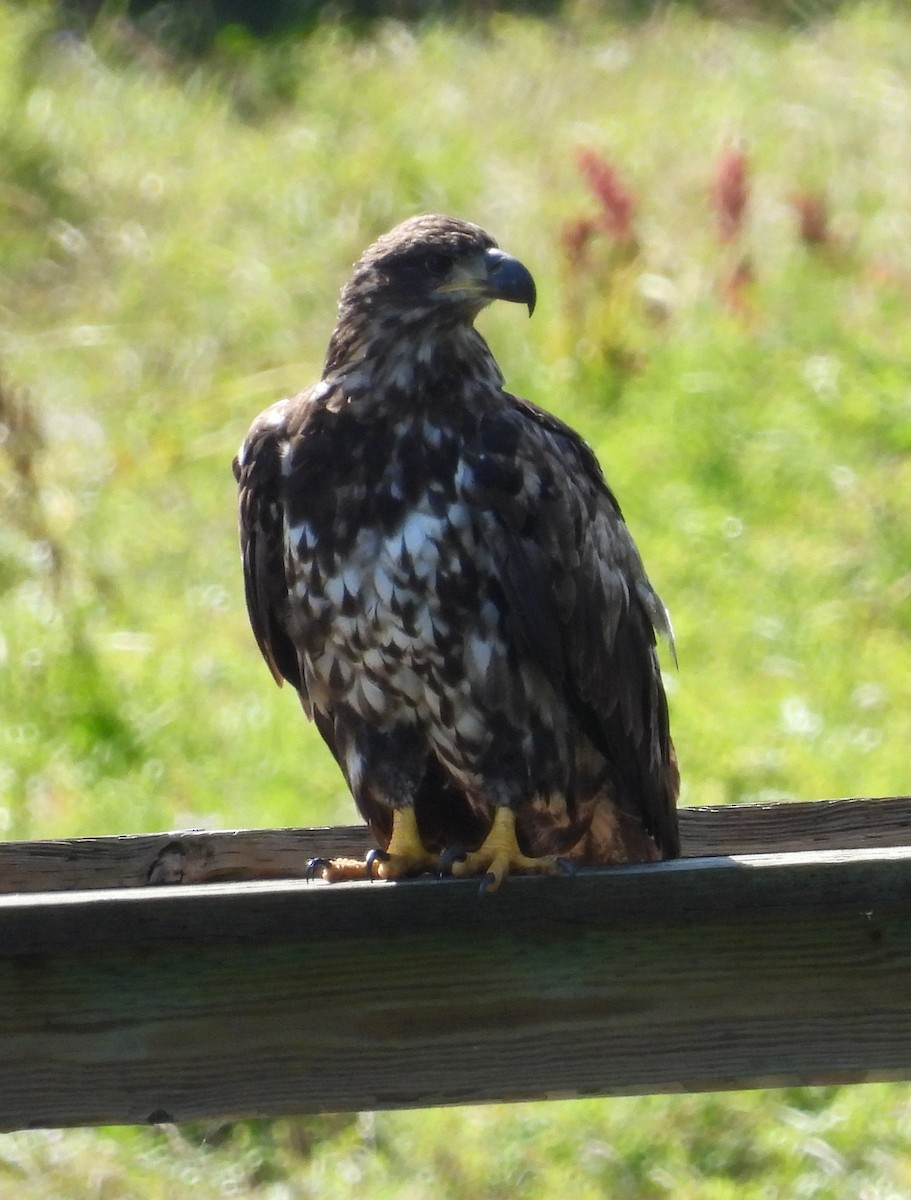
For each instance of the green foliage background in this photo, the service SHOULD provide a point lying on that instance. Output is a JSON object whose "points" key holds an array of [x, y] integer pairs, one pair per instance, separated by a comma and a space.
{"points": [[173, 234]]}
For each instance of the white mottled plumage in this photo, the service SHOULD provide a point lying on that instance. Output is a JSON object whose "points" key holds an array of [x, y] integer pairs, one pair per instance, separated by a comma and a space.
{"points": [[440, 570]]}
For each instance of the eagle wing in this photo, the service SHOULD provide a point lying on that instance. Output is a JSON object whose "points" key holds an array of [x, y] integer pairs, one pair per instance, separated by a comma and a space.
{"points": [[257, 469], [580, 600]]}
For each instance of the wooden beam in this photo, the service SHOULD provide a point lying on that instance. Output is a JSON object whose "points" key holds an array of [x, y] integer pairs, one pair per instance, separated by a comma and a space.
{"points": [[167, 1004], [212, 857]]}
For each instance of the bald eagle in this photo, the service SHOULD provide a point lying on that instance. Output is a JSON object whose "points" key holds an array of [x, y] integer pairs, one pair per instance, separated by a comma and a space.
{"points": [[440, 571]]}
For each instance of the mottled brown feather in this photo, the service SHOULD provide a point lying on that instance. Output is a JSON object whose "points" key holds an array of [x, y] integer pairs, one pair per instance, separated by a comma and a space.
{"points": [[440, 570]]}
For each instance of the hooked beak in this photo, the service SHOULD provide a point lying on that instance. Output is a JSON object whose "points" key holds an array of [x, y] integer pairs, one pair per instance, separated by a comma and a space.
{"points": [[508, 279], [492, 275]]}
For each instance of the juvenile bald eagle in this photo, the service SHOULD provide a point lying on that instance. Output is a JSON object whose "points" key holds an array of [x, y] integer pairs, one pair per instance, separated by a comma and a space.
{"points": [[440, 571]]}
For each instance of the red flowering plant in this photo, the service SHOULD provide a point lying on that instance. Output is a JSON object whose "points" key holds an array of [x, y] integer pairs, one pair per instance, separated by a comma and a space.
{"points": [[730, 200], [812, 215], [601, 265]]}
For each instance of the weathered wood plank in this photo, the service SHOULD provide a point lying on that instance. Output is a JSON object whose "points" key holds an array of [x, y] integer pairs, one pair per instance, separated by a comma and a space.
{"points": [[130, 1005], [198, 857]]}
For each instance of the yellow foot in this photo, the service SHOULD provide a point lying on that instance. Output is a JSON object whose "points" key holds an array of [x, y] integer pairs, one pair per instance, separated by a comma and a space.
{"points": [[405, 855], [499, 854]]}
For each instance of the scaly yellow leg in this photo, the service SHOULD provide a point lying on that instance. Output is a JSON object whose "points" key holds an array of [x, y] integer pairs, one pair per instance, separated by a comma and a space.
{"points": [[405, 854], [499, 854]]}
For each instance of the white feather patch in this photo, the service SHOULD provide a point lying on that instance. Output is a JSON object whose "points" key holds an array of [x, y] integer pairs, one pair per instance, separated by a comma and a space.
{"points": [[374, 697], [418, 532], [409, 684], [478, 653], [470, 726], [384, 585], [300, 537], [374, 660], [352, 579], [458, 516], [334, 587]]}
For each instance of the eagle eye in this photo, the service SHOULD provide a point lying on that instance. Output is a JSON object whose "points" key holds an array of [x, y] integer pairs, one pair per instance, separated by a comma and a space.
{"points": [[437, 264]]}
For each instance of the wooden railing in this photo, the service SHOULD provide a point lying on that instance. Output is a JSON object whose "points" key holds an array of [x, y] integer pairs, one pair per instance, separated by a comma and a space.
{"points": [[777, 951]]}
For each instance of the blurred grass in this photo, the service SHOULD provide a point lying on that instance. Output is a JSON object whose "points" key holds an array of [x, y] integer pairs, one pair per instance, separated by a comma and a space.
{"points": [[172, 239]]}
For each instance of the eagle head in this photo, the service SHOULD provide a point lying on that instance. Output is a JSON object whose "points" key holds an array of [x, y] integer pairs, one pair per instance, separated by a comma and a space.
{"points": [[433, 270]]}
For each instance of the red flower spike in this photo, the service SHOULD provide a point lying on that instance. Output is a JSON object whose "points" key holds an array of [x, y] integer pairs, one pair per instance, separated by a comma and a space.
{"points": [[574, 238], [812, 218], [618, 206], [731, 192]]}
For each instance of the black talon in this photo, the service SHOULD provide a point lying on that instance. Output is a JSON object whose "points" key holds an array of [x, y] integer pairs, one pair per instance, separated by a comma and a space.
{"points": [[488, 885], [567, 866], [314, 867], [374, 856], [448, 857]]}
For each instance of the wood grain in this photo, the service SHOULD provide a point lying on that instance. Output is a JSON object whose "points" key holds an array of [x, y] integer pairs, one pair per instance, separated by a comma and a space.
{"points": [[207, 857], [137, 1004]]}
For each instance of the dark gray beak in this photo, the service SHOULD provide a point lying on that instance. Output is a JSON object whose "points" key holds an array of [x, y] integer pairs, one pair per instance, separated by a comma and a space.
{"points": [[508, 279]]}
